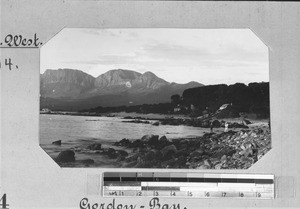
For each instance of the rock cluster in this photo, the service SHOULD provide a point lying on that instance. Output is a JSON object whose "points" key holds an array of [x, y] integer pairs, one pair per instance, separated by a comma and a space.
{"points": [[228, 150], [137, 121], [201, 123], [65, 156], [58, 142], [94, 146]]}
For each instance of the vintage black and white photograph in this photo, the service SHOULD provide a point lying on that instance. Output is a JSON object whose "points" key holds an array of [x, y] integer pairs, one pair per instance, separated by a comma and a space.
{"points": [[155, 98]]}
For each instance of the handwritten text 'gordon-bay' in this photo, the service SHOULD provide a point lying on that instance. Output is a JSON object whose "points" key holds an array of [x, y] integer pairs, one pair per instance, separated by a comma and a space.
{"points": [[154, 203]]}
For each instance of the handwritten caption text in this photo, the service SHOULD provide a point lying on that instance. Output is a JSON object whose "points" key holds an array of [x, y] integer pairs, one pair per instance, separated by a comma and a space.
{"points": [[154, 203]]}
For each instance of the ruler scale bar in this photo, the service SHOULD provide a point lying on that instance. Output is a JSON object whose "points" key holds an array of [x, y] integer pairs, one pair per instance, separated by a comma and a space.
{"points": [[159, 179], [160, 188], [178, 184], [123, 188], [186, 188], [190, 194], [190, 185], [125, 183]]}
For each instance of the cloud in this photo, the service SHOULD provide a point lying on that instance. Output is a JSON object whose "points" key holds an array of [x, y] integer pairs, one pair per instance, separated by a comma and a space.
{"points": [[97, 32], [173, 52], [168, 55], [199, 54], [151, 53]]}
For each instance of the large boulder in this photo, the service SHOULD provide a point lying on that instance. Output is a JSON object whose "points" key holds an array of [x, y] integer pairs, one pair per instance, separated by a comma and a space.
{"points": [[182, 152], [149, 156], [133, 157], [218, 153], [150, 137], [205, 124], [95, 146], [163, 138], [216, 124], [65, 156], [152, 155], [111, 153], [168, 151], [58, 142], [247, 122], [136, 144], [156, 124], [204, 166], [197, 153], [151, 140], [183, 144], [218, 166], [246, 152], [124, 142], [162, 142], [223, 159], [237, 125], [122, 153], [207, 162]]}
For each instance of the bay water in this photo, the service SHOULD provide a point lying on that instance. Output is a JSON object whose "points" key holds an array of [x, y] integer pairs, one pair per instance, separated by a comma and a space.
{"points": [[80, 131]]}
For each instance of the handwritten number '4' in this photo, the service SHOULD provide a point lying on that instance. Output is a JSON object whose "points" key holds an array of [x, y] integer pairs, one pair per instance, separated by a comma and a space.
{"points": [[8, 62], [3, 204]]}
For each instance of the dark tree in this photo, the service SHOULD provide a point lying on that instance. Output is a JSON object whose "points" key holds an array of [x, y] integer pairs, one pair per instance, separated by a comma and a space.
{"points": [[253, 98], [175, 99]]}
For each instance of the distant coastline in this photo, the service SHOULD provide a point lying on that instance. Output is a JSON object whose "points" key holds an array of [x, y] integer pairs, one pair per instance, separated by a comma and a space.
{"points": [[148, 116]]}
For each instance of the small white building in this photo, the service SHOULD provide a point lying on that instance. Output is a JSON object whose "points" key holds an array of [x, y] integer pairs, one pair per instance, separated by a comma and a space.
{"points": [[224, 106], [45, 110], [177, 108]]}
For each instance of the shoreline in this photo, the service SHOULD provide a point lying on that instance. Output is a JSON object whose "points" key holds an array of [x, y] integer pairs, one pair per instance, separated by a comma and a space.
{"points": [[166, 119], [149, 116], [234, 149]]}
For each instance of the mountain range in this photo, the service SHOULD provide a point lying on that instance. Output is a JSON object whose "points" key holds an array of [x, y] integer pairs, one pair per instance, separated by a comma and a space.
{"points": [[71, 90]]}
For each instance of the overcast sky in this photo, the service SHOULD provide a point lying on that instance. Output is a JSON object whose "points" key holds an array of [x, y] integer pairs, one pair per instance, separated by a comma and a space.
{"points": [[208, 56]]}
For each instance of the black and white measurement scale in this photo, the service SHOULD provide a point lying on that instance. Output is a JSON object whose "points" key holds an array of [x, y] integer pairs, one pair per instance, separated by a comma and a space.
{"points": [[190, 185]]}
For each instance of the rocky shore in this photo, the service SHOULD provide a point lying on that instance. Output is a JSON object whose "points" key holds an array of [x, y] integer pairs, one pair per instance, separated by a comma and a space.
{"points": [[203, 123], [227, 150]]}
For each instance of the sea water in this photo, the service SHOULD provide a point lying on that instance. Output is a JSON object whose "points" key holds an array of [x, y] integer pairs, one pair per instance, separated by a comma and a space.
{"points": [[105, 129], [80, 131]]}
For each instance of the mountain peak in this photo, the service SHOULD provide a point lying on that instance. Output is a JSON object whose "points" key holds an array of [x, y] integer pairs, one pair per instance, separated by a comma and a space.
{"points": [[126, 74], [65, 70], [149, 73], [75, 84], [116, 77], [66, 74], [55, 83]]}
